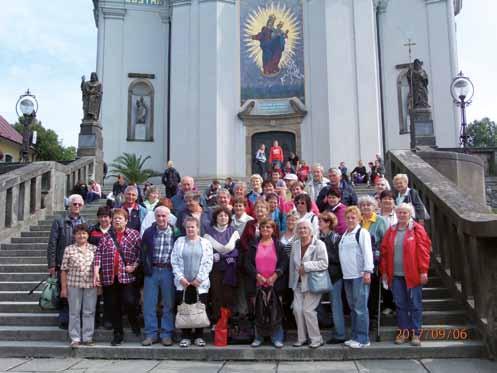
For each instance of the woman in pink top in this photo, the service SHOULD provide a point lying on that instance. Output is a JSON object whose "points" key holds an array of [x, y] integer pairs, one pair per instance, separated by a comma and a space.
{"points": [[94, 192], [266, 264]]}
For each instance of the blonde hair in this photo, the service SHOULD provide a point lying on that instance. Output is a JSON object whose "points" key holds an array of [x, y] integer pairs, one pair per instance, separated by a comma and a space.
{"points": [[401, 177], [353, 210]]}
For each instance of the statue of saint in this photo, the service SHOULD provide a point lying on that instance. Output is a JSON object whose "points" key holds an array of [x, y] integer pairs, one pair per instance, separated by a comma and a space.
{"points": [[92, 97], [141, 111], [418, 83]]}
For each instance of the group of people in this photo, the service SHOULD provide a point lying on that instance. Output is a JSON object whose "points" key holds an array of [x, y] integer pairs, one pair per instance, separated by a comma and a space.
{"points": [[283, 237]]}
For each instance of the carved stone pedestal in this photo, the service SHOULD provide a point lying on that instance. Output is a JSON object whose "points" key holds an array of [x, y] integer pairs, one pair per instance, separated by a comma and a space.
{"points": [[425, 134], [90, 144]]}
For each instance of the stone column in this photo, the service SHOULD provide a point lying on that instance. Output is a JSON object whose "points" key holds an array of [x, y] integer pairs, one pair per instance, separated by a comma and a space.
{"points": [[90, 144]]}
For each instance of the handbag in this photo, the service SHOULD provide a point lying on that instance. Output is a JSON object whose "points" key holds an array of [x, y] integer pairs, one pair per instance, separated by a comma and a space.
{"points": [[50, 295], [319, 282], [191, 316]]}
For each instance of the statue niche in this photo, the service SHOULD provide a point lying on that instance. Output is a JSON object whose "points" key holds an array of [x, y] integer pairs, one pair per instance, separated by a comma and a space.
{"points": [[140, 110]]}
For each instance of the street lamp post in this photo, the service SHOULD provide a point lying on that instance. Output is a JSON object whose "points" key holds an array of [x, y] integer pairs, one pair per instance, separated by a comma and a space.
{"points": [[27, 105], [462, 91]]}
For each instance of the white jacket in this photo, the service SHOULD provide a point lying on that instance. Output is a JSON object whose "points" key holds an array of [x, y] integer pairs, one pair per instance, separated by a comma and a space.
{"points": [[205, 264], [315, 259]]}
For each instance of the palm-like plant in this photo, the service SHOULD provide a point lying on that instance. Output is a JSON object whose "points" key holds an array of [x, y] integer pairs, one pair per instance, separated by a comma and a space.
{"points": [[131, 167]]}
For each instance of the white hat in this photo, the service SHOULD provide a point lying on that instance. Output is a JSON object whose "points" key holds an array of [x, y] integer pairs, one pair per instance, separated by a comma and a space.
{"points": [[291, 177]]}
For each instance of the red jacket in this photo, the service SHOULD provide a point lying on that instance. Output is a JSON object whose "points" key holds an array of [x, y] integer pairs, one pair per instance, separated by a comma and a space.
{"points": [[276, 154], [417, 250]]}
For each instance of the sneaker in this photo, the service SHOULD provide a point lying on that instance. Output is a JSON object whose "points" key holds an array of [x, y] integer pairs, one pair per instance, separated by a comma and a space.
{"points": [[316, 344], [117, 340], [415, 341], [75, 344], [400, 339], [148, 342], [355, 344], [348, 342], [199, 342], [256, 343], [278, 344], [185, 343], [299, 344], [167, 341]]}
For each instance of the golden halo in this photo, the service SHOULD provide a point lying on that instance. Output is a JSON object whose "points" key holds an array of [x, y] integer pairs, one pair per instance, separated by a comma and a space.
{"points": [[257, 19]]}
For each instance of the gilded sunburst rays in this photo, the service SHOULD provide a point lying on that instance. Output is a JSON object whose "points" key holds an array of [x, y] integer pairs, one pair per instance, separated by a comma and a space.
{"points": [[258, 18]]}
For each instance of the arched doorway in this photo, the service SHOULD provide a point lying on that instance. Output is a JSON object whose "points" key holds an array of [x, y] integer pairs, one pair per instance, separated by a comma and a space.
{"points": [[285, 139]]}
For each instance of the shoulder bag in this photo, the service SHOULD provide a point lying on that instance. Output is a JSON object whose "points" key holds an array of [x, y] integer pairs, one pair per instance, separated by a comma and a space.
{"points": [[191, 316]]}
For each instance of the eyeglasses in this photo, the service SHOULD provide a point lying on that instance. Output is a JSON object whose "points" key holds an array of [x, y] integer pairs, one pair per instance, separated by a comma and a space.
{"points": [[77, 204]]}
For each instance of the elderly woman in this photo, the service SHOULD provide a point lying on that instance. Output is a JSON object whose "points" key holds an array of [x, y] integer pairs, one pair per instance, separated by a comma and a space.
{"points": [[376, 226], [194, 209], [256, 192], [192, 259], [308, 255], [118, 256], [303, 205], [387, 207], [152, 196], [223, 237], [327, 224], [356, 260], [405, 260], [240, 217], [404, 194], [265, 264], [381, 184], [77, 285]]}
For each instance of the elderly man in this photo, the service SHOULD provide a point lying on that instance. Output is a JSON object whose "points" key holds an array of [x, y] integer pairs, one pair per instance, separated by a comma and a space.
{"points": [[187, 185], [317, 183], [349, 196], [195, 209], [61, 235], [136, 212], [157, 244]]}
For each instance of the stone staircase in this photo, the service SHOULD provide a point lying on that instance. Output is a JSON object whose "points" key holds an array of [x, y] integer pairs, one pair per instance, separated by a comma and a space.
{"points": [[26, 330]]}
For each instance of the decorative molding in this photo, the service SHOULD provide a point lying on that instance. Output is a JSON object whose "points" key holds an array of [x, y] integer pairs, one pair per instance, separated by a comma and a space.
{"points": [[141, 75], [113, 13], [176, 3]]}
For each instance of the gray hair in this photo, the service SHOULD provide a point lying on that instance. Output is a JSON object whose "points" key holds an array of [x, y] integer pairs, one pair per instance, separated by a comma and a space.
{"points": [[405, 206], [163, 209], [240, 184], [75, 198], [190, 219], [335, 170], [318, 166], [130, 188], [401, 177], [307, 223], [223, 191], [152, 189], [367, 200]]}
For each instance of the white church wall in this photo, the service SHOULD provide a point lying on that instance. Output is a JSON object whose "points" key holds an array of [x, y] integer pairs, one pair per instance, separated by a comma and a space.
{"points": [[427, 23], [134, 43], [342, 84]]}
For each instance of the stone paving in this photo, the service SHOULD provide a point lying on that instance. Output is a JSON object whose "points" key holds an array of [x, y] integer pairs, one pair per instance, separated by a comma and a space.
{"points": [[171, 366]]}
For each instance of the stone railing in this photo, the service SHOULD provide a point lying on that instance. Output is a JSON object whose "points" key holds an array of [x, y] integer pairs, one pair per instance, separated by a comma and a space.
{"points": [[29, 193], [464, 236]]}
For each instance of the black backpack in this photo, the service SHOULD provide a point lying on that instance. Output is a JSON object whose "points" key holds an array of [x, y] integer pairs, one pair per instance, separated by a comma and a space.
{"points": [[268, 311]]}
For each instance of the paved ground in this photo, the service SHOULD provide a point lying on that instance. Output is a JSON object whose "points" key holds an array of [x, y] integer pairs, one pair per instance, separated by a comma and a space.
{"points": [[170, 366]]}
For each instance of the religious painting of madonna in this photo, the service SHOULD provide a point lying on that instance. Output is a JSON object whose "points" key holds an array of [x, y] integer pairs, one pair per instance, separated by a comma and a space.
{"points": [[272, 49]]}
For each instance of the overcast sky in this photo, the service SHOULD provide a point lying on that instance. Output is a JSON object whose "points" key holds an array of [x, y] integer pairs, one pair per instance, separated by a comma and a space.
{"points": [[47, 45]]}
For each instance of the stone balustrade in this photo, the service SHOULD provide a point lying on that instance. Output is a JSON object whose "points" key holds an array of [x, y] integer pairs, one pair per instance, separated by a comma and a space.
{"points": [[464, 236], [30, 192]]}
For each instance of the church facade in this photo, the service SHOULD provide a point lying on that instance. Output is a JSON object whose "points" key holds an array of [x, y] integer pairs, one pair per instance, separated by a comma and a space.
{"points": [[205, 82]]}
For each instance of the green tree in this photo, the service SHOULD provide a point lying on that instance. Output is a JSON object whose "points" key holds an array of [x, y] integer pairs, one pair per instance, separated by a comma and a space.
{"points": [[48, 147], [482, 133], [131, 167]]}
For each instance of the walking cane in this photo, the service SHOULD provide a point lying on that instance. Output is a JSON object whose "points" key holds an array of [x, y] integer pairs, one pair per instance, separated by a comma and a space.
{"points": [[379, 306], [37, 286]]}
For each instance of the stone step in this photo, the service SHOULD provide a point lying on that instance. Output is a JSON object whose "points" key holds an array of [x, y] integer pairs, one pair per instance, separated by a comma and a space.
{"points": [[25, 319], [29, 240], [435, 293], [8, 268], [40, 228], [457, 316], [36, 234], [20, 296], [24, 276], [20, 285], [21, 253], [386, 350], [20, 307], [24, 246], [23, 259]]}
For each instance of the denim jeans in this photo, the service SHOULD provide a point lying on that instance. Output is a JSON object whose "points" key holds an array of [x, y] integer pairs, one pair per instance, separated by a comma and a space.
{"points": [[357, 293], [337, 309], [161, 279], [409, 304], [277, 336]]}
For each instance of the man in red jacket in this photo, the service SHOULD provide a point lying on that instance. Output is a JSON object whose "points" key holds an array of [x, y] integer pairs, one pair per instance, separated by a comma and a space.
{"points": [[404, 264]]}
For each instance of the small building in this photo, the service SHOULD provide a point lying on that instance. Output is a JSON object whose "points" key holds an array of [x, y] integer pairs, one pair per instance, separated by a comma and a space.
{"points": [[11, 143]]}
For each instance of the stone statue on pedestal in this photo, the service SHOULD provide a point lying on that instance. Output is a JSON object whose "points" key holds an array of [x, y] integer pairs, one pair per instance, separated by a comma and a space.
{"points": [[92, 97], [141, 111], [418, 84]]}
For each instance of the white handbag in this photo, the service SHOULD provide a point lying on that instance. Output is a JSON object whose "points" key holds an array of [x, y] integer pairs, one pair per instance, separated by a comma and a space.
{"points": [[191, 316]]}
